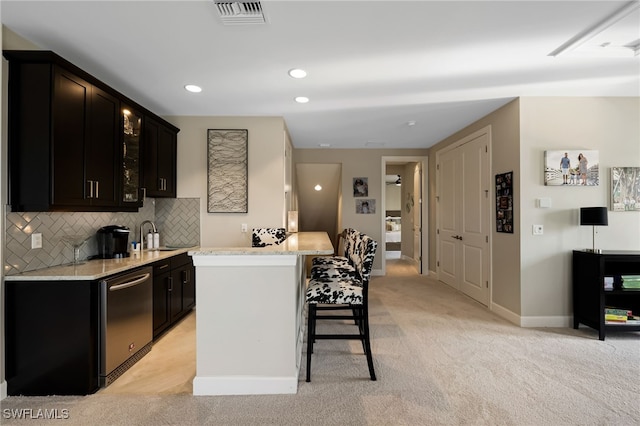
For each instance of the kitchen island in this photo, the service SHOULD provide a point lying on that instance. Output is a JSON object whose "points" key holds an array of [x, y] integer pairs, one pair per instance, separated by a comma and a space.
{"points": [[250, 324]]}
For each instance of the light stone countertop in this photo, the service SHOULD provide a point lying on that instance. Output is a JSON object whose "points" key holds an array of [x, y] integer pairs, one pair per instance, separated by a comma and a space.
{"points": [[301, 243], [97, 268]]}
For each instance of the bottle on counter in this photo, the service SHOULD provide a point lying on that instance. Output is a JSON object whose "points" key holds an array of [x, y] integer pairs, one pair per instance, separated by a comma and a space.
{"points": [[156, 240], [149, 241]]}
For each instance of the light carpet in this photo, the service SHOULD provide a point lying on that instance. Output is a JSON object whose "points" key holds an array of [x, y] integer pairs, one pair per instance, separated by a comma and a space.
{"points": [[441, 359]]}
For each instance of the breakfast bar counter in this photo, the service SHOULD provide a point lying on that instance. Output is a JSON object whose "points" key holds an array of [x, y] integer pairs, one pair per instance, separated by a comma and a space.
{"points": [[249, 323]]}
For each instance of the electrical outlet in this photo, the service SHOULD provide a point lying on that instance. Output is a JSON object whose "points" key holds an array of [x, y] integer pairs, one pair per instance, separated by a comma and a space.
{"points": [[36, 240], [538, 230], [244, 227]]}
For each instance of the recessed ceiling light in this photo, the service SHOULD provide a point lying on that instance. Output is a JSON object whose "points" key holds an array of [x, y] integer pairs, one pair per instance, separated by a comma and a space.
{"points": [[317, 187], [193, 88], [302, 99], [297, 73], [324, 145], [411, 123]]}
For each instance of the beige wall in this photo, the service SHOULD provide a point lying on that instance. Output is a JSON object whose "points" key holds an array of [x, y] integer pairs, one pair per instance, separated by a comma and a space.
{"points": [[505, 157], [531, 282], [266, 164], [358, 163], [608, 125]]}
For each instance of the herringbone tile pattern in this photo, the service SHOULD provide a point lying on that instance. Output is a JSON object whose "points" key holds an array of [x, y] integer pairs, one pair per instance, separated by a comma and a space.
{"points": [[179, 219]]}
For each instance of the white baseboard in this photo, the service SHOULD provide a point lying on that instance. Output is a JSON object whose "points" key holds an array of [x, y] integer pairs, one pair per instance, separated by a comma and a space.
{"points": [[505, 313], [244, 385], [555, 321], [531, 321]]}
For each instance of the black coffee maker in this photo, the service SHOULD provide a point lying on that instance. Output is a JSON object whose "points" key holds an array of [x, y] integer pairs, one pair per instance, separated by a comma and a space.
{"points": [[113, 242]]}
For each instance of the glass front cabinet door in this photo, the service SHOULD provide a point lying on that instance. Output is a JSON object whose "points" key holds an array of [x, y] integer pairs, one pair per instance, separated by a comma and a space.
{"points": [[131, 128]]}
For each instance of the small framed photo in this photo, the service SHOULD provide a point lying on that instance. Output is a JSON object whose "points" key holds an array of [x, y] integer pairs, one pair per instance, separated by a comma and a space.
{"points": [[366, 206], [360, 187]]}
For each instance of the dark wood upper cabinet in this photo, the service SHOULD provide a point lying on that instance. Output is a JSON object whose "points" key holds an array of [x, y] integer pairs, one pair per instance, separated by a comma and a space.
{"points": [[69, 149], [160, 148]]}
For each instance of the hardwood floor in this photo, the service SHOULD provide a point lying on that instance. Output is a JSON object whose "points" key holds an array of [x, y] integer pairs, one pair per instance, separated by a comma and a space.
{"points": [[168, 369]]}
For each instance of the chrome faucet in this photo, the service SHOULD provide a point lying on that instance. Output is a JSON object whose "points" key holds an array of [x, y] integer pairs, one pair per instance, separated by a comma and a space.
{"points": [[153, 228]]}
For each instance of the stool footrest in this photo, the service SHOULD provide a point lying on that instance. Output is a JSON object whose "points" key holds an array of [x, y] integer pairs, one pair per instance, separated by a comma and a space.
{"points": [[339, 336]]}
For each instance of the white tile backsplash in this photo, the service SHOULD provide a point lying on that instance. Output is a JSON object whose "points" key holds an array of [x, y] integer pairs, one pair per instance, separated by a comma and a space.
{"points": [[178, 220]]}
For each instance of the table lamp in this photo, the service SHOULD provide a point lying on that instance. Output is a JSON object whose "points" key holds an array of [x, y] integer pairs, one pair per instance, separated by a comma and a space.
{"points": [[594, 216]]}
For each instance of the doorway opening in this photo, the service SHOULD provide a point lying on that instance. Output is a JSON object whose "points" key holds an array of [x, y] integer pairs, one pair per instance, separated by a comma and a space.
{"points": [[319, 196], [404, 212]]}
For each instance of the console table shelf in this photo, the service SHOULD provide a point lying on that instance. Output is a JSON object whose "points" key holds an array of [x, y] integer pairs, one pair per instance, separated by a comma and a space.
{"points": [[589, 295]]}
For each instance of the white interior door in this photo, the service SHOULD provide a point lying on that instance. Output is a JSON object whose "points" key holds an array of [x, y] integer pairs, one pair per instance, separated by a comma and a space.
{"points": [[475, 220], [464, 216], [450, 188]]}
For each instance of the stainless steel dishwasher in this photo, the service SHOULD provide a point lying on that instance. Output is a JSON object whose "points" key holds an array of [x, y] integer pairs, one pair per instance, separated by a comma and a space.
{"points": [[126, 322]]}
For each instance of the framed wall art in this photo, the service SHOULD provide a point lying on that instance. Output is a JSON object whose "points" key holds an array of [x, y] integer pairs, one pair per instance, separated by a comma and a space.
{"points": [[227, 185], [625, 189], [366, 206], [504, 202], [575, 168], [360, 187]]}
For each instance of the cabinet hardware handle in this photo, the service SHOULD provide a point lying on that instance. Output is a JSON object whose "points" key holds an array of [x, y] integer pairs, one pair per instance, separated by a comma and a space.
{"points": [[170, 284], [90, 182], [97, 189]]}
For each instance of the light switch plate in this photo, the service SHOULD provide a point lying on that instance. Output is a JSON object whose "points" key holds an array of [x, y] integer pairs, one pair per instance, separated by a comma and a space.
{"points": [[538, 230], [544, 203]]}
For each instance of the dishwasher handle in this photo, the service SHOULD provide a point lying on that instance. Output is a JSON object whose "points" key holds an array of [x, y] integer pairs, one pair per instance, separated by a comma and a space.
{"points": [[135, 281]]}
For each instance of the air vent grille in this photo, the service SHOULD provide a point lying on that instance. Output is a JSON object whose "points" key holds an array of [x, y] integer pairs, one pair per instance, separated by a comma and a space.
{"points": [[240, 12]]}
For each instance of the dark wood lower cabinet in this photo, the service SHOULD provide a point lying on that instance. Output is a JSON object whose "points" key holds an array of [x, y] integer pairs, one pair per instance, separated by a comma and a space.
{"points": [[174, 292], [52, 337]]}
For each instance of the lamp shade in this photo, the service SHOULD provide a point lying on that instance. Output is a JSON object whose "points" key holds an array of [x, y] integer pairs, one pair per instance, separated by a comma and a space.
{"points": [[596, 216]]}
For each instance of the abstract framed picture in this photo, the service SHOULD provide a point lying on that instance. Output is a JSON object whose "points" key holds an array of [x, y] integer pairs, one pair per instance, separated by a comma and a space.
{"points": [[366, 206], [625, 189], [572, 168], [227, 175]]}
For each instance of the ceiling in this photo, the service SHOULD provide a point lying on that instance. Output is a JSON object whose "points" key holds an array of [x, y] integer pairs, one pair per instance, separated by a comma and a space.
{"points": [[373, 66]]}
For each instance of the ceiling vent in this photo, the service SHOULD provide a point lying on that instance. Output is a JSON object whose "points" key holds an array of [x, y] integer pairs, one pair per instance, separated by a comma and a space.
{"points": [[240, 12]]}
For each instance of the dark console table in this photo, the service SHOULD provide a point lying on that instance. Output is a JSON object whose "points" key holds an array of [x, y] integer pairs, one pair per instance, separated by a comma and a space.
{"points": [[589, 294]]}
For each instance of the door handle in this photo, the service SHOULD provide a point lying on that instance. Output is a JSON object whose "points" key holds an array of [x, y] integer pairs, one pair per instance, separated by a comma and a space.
{"points": [[457, 237]]}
